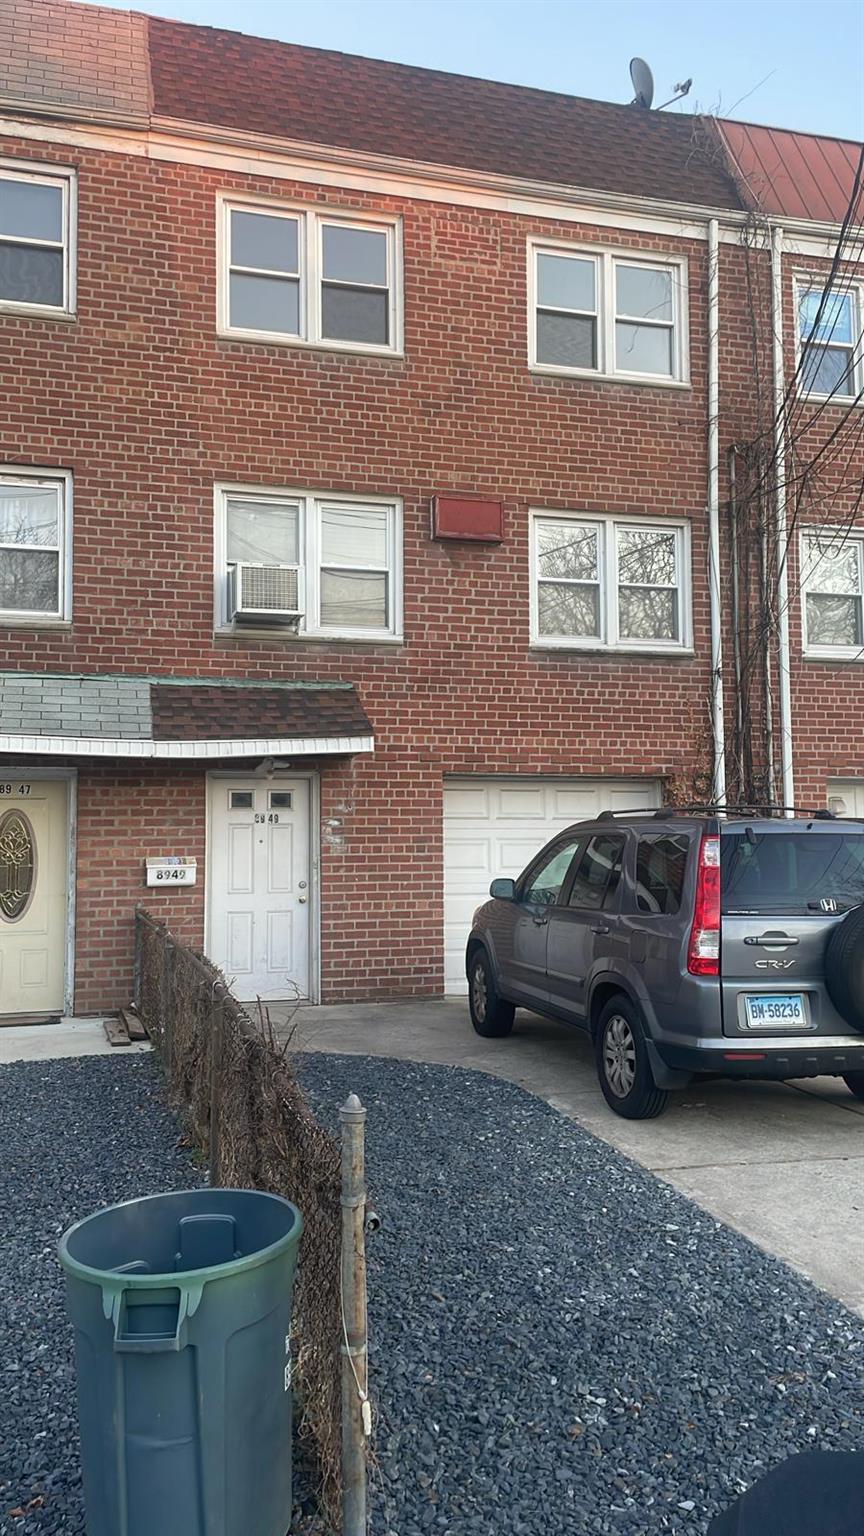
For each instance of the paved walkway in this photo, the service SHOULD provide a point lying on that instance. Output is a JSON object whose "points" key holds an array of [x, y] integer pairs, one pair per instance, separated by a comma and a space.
{"points": [[782, 1163]]}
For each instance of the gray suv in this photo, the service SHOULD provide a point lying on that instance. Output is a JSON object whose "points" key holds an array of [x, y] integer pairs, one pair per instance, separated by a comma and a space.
{"points": [[686, 942]]}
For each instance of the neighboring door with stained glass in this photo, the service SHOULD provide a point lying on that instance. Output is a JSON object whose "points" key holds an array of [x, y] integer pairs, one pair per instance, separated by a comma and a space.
{"points": [[33, 895]]}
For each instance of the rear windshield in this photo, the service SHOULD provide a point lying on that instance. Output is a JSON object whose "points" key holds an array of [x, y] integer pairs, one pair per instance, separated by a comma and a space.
{"points": [[791, 872]]}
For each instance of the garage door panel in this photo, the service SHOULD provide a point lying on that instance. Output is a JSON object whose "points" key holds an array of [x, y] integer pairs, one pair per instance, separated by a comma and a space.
{"points": [[495, 827], [846, 796]]}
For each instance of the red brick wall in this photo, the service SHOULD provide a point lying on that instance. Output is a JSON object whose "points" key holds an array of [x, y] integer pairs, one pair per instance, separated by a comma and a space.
{"points": [[148, 408]]}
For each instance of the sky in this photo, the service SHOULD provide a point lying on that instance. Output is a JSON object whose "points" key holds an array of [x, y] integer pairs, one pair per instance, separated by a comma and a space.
{"points": [[790, 63]]}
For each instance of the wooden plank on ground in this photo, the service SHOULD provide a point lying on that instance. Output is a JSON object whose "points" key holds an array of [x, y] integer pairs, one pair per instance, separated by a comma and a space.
{"points": [[134, 1027], [116, 1032]]}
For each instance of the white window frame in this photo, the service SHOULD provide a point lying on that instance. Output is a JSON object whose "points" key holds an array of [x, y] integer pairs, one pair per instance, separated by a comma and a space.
{"points": [[310, 504], [609, 639], [606, 258], [806, 282], [66, 180], [807, 569], [60, 480], [310, 241]]}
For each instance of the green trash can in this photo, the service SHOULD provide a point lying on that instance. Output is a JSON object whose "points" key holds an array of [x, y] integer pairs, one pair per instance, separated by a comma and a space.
{"points": [[181, 1305]]}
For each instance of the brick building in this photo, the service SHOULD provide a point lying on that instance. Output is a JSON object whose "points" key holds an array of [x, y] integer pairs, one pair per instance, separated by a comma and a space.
{"points": [[364, 461]]}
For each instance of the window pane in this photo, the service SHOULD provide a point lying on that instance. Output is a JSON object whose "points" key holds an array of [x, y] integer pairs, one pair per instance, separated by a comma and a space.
{"points": [[833, 620], [646, 614], [31, 274], [828, 371], [355, 255], [264, 533], [568, 610], [354, 314], [832, 566], [566, 341], [29, 516], [598, 873], [260, 240], [643, 293], [661, 863], [790, 872], [354, 535], [241, 800], [549, 878], [647, 554], [643, 348], [567, 549], [31, 211], [836, 321], [29, 581], [265, 304], [565, 282], [353, 600]]}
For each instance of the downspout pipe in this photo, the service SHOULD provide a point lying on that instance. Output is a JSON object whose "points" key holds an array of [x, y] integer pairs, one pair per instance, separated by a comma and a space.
{"points": [[781, 527], [718, 725]]}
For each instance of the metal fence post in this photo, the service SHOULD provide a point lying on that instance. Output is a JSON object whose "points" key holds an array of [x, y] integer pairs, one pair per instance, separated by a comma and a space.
{"points": [[167, 1005], [355, 1402], [138, 942]]}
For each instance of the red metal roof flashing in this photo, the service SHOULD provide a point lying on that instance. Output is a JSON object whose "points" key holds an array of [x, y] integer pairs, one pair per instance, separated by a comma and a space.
{"points": [[793, 175]]}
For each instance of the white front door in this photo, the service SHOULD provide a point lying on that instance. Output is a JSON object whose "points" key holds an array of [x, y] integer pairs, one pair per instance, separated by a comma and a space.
{"points": [[34, 863], [259, 886], [494, 827]]}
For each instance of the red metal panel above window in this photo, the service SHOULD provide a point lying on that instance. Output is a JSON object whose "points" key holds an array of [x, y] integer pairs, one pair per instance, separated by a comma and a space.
{"points": [[468, 517]]}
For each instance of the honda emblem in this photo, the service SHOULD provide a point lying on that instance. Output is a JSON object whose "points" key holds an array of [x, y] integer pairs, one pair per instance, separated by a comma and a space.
{"points": [[828, 904]]}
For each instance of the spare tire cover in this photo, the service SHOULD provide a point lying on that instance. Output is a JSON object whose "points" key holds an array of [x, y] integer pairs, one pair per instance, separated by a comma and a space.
{"points": [[844, 967]]}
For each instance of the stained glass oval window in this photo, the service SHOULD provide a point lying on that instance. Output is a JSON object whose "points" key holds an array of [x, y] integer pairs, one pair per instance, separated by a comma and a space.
{"points": [[17, 865]]}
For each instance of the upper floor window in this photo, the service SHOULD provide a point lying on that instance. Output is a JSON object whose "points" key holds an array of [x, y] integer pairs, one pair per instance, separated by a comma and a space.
{"points": [[609, 583], [314, 565], [36, 266], [830, 340], [35, 540], [613, 316], [308, 276], [832, 581]]}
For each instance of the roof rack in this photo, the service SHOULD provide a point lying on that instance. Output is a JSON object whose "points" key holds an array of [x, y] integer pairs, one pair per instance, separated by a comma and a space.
{"points": [[718, 809]]}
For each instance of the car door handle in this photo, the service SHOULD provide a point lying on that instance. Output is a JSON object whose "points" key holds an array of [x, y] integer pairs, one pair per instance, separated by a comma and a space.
{"points": [[541, 921], [771, 940], [599, 928]]}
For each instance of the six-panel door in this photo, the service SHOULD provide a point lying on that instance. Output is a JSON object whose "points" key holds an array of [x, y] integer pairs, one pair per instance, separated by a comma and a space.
{"points": [[259, 886]]}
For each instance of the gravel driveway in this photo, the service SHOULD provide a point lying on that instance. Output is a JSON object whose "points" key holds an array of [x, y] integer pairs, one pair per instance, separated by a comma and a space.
{"points": [[561, 1344]]}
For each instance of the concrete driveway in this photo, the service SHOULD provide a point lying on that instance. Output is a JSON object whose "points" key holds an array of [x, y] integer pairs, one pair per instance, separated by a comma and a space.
{"points": [[782, 1163]]}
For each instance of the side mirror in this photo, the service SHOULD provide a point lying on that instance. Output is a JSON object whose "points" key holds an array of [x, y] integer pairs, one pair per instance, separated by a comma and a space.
{"points": [[503, 890]]}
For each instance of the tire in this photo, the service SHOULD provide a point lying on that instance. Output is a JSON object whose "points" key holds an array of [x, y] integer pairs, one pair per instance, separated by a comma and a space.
{"points": [[491, 1015], [622, 1063], [844, 967], [855, 1083]]}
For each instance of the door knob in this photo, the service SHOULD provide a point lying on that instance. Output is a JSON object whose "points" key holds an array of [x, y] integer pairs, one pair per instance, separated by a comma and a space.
{"points": [[301, 899]]}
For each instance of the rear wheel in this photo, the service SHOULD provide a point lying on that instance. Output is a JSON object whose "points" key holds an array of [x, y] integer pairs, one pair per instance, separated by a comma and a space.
{"points": [[491, 1015], [622, 1063], [855, 1083]]}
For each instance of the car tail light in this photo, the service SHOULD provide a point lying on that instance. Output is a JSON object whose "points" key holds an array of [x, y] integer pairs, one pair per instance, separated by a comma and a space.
{"points": [[703, 955]]}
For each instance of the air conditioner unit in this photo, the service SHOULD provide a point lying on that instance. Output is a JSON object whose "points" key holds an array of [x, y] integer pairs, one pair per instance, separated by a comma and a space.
{"points": [[269, 592]]}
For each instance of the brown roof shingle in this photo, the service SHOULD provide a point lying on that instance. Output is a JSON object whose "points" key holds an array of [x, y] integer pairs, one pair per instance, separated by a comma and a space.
{"points": [[201, 712]]}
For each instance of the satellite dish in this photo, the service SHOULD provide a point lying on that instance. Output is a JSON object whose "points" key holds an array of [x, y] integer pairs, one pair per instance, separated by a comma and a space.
{"points": [[643, 83]]}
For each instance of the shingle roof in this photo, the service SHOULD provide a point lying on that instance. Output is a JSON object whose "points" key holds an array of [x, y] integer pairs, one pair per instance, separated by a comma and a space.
{"points": [[795, 175], [83, 58], [145, 712], [205, 75]]}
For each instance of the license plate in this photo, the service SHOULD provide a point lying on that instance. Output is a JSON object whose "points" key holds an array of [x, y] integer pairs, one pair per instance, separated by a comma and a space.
{"points": [[776, 1011]]}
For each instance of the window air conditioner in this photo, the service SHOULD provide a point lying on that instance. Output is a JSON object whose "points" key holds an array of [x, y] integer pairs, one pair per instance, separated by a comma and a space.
{"points": [[264, 592]]}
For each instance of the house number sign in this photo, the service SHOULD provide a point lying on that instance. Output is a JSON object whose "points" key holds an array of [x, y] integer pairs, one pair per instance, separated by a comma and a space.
{"points": [[172, 871]]}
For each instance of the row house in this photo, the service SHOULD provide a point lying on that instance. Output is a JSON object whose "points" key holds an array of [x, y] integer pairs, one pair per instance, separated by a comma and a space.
{"points": [[394, 468]]}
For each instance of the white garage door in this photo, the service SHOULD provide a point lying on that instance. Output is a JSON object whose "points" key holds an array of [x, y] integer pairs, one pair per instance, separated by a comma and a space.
{"points": [[846, 796], [494, 827]]}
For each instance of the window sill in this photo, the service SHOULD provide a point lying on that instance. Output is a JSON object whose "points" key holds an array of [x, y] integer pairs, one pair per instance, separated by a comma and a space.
{"points": [[852, 657], [269, 636], [649, 653], [591, 376], [33, 621], [839, 402], [268, 339], [37, 312]]}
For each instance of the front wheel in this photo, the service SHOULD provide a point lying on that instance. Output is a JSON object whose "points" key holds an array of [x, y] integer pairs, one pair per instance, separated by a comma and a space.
{"points": [[622, 1063], [491, 1016], [855, 1083]]}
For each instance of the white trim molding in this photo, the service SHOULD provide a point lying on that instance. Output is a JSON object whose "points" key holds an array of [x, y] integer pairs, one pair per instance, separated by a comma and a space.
{"points": [[835, 542], [64, 179], [188, 751], [848, 288], [38, 477]]}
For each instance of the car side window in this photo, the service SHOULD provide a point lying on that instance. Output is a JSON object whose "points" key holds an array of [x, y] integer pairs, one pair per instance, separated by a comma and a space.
{"points": [[598, 872], [661, 863], [545, 883]]}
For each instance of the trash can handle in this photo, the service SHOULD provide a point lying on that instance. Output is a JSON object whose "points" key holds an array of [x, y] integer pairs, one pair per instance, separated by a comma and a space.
{"points": [[114, 1306]]}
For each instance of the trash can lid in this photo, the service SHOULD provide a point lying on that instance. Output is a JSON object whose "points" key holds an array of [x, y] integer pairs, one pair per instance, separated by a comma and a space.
{"points": [[203, 1234]]}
